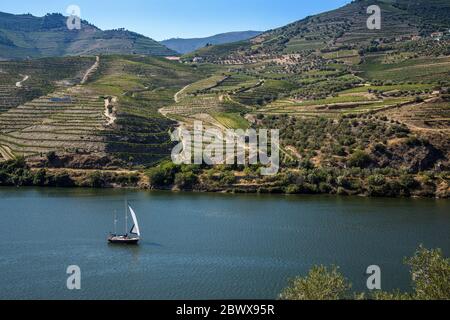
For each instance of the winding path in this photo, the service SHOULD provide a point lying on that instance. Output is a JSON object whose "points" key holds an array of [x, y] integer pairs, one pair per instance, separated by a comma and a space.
{"points": [[19, 83], [176, 97]]}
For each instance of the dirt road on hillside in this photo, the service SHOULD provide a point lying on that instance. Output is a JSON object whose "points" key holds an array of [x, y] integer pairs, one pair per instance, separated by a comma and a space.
{"points": [[19, 83], [91, 70]]}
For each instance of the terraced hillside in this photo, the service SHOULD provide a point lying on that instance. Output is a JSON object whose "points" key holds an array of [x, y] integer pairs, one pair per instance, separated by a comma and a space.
{"points": [[10, 97], [359, 100], [331, 64], [344, 98], [111, 119], [212, 101], [343, 27], [432, 115], [359, 112], [25, 80], [65, 121]]}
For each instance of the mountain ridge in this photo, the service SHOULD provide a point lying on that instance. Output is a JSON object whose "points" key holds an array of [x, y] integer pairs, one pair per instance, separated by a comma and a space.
{"points": [[187, 45], [26, 36]]}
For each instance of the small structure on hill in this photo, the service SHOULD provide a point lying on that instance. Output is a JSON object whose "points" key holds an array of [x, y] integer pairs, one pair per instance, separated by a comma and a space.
{"points": [[197, 60], [437, 35]]}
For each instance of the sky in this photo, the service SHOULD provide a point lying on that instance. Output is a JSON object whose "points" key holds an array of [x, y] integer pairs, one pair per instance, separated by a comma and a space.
{"points": [[164, 19]]}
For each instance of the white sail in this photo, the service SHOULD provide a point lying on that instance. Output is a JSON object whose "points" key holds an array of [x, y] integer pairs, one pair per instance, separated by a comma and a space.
{"points": [[135, 228]]}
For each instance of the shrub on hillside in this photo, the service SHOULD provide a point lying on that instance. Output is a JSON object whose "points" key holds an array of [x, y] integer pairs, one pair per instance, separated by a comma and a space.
{"points": [[96, 180], [15, 173], [62, 180], [359, 159], [185, 180], [163, 175]]}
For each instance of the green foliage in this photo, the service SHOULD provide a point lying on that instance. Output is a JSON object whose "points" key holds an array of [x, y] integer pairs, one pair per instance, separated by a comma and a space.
{"points": [[292, 189], [339, 142], [430, 273], [377, 180], [52, 159], [395, 295], [40, 178], [408, 182], [15, 173], [321, 283], [96, 180], [377, 185], [163, 175], [185, 180], [359, 159], [62, 180], [228, 178]]}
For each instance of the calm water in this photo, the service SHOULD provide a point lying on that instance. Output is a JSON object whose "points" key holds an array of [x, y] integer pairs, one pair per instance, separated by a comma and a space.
{"points": [[204, 246]]}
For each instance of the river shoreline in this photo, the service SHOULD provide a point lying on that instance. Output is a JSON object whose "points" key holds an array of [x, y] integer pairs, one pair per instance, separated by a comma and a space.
{"points": [[235, 180], [230, 191]]}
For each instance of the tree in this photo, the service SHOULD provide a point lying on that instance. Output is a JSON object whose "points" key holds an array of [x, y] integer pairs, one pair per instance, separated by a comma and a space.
{"points": [[15, 172], [320, 284], [163, 175], [185, 180], [376, 180], [430, 273], [96, 180], [52, 159], [359, 159], [40, 177], [63, 180], [407, 181]]}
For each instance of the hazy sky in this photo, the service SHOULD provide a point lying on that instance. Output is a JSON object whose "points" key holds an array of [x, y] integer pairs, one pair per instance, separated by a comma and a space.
{"points": [[163, 19]]}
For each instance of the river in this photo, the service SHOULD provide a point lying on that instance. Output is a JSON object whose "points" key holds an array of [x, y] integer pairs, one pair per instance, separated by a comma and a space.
{"points": [[205, 246]]}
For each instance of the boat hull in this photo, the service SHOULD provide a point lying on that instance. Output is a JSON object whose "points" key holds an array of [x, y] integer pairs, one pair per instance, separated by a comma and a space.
{"points": [[123, 240]]}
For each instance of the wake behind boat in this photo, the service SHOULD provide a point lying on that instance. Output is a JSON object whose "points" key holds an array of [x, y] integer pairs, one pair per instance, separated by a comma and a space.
{"points": [[133, 236]]}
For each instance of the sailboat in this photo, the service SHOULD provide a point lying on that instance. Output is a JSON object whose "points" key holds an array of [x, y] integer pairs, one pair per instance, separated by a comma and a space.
{"points": [[131, 237]]}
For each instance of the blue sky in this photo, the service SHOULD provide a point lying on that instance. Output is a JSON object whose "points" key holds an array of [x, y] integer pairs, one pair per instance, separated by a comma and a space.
{"points": [[163, 19]]}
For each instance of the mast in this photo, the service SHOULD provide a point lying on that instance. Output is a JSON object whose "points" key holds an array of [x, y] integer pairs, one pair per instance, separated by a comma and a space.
{"points": [[126, 217], [115, 222]]}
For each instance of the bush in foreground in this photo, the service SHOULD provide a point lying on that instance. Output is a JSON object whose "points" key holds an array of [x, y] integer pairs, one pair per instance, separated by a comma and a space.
{"points": [[430, 273], [320, 284]]}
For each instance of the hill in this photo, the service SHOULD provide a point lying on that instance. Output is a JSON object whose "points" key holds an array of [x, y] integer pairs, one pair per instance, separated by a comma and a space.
{"points": [[90, 114], [189, 45], [27, 36], [344, 27], [359, 112]]}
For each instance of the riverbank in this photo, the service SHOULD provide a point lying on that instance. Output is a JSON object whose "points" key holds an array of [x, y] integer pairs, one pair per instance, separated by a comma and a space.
{"points": [[232, 179]]}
